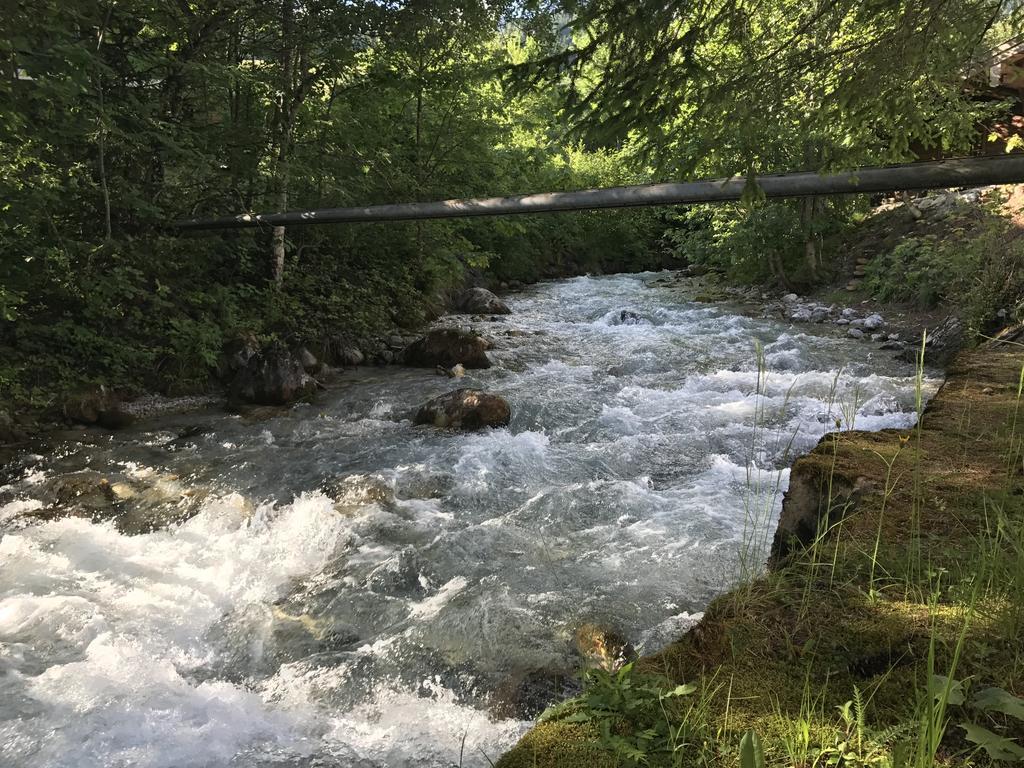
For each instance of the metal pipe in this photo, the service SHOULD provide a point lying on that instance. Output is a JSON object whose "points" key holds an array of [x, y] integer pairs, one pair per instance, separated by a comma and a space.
{"points": [[935, 174]]}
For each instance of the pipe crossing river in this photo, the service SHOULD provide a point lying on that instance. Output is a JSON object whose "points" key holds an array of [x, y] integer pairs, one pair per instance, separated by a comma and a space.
{"points": [[936, 174]]}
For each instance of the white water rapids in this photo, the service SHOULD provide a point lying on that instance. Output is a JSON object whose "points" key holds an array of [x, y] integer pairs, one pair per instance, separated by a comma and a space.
{"points": [[646, 454]]}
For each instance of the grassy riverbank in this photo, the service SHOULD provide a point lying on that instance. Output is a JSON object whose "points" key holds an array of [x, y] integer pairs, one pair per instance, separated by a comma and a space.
{"points": [[889, 637]]}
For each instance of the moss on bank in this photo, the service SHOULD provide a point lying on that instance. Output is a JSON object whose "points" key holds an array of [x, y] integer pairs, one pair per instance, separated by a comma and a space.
{"points": [[920, 571]]}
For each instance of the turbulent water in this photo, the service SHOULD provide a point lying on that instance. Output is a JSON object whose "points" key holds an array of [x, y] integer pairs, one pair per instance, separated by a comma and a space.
{"points": [[233, 614]]}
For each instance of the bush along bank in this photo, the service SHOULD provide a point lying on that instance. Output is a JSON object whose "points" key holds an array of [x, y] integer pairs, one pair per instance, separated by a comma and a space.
{"points": [[886, 631], [952, 259], [186, 337]]}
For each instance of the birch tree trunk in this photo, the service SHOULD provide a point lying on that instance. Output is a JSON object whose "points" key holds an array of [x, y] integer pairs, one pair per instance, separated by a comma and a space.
{"points": [[285, 124]]}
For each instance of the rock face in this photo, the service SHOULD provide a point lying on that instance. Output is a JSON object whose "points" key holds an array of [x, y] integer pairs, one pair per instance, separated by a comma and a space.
{"points": [[307, 359], [271, 377], [97, 405], [447, 347], [808, 508], [350, 357], [942, 343], [465, 409], [480, 301]]}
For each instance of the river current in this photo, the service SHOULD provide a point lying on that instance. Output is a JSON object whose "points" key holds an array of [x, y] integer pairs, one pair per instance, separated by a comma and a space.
{"points": [[331, 586]]}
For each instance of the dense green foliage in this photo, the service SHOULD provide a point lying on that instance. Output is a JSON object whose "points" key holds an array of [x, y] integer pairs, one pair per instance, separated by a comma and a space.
{"points": [[117, 119], [763, 243], [739, 87], [976, 264]]}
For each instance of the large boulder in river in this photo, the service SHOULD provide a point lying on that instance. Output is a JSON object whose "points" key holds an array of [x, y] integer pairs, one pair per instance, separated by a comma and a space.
{"points": [[480, 301], [354, 491], [271, 377], [465, 409], [97, 405], [448, 347], [9, 431]]}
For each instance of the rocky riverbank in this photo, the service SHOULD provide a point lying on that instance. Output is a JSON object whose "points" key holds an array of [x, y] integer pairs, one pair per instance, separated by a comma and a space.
{"points": [[251, 377], [883, 328], [251, 374]]}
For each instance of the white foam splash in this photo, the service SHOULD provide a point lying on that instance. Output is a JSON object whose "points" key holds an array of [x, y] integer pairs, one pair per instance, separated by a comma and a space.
{"points": [[119, 621]]}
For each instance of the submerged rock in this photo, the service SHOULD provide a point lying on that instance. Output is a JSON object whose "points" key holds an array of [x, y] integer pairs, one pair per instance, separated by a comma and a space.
{"points": [[480, 301], [448, 347], [627, 317], [602, 648], [354, 491], [79, 494], [457, 371], [135, 505], [465, 409], [271, 377], [524, 694], [401, 575]]}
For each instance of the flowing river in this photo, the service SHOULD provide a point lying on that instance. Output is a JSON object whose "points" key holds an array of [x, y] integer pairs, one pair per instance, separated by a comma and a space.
{"points": [[224, 610]]}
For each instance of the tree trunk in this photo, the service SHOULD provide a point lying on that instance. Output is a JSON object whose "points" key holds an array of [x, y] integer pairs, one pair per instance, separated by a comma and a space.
{"points": [[285, 118], [779, 271], [102, 131], [278, 240], [808, 210]]}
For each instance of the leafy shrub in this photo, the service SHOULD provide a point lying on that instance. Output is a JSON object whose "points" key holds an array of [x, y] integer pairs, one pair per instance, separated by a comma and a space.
{"points": [[979, 270], [750, 245], [641, 719]]}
